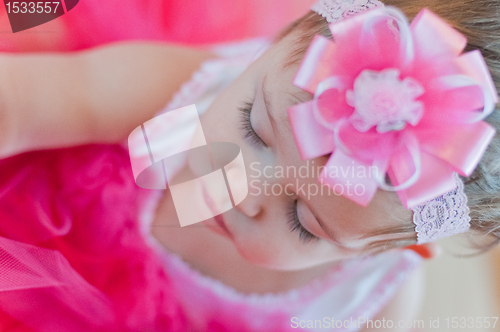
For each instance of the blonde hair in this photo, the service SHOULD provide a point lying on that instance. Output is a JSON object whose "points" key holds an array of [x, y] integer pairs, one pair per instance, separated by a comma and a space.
{"points": [[479, 21]]}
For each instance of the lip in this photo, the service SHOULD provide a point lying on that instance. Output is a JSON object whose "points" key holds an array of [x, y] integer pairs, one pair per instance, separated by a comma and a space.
{"points": [[220, 226]]}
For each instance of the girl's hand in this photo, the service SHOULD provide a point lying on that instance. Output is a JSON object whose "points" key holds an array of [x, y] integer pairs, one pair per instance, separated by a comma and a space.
{"points": [[94, 96]]}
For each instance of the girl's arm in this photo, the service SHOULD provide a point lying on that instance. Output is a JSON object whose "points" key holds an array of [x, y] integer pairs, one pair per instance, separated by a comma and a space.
{"points": [[96, 96]]}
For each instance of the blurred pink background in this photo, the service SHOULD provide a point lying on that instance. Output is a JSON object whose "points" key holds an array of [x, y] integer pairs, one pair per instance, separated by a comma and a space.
{"points": [[95, 22]]}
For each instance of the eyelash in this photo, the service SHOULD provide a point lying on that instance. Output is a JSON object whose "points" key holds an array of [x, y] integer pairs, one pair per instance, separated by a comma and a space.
{"points": [[295, 225], [246, 125], [251, 135]]}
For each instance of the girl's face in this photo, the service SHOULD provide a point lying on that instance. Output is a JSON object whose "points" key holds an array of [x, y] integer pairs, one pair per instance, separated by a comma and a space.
{"points": [[288, 220]]}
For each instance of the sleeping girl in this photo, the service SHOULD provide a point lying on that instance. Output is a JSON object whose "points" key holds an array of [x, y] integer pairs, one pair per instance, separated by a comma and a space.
{"points": [[385, 116]]}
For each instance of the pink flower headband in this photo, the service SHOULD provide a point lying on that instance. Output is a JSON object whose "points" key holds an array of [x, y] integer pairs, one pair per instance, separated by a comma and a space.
{"points": [[395, 100]]}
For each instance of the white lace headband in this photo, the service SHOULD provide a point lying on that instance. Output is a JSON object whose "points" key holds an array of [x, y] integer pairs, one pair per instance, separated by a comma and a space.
{"points": [[443, 216], [336, 10]]}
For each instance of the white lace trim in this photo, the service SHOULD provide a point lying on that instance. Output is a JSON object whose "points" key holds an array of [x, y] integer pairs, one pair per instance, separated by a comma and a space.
{"points": [[337, 10], [443, 216]]}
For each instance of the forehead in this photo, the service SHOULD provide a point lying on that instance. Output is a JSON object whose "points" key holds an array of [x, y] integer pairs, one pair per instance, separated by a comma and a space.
{"points": [[279, 76], [344, 217]]}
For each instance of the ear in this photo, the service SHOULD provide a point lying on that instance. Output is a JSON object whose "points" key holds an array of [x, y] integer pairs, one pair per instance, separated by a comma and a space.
{"points": [[426, 250]]}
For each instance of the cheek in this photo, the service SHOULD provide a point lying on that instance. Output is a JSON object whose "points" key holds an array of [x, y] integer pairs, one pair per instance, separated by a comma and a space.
{"points": [[279, 250], [261, 246], [268, 254]]}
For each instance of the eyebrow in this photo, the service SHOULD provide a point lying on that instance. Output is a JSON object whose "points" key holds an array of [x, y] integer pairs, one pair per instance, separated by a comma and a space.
{"points": [[267, 103], [326, 229], [294, 99], [332, 235], [363, 243]]}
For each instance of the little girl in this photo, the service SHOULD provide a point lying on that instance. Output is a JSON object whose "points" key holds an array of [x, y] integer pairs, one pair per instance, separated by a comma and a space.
{"points": [[82, 247]]}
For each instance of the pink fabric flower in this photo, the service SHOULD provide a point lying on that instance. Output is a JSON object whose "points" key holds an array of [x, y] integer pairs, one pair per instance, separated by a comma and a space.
{"points": [[393, 99], [385, 101]]}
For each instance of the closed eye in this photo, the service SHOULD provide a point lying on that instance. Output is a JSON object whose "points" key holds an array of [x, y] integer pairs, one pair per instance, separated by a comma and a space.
{"points": [[246, 126], [295, 225]]}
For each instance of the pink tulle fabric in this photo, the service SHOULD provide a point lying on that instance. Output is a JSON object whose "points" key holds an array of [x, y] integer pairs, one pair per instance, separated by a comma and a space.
{"points": [[69, 262], [95, 22]]}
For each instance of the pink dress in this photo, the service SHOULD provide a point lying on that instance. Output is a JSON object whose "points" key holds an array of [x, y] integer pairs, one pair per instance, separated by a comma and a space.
{"points": [[76, 253]]}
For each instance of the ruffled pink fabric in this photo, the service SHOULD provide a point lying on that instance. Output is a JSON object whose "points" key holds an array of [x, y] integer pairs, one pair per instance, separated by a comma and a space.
{"points": [[72, 257]]}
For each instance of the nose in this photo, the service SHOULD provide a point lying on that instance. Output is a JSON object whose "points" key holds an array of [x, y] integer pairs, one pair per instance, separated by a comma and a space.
{"points": [[229, 157], [251, 206]]}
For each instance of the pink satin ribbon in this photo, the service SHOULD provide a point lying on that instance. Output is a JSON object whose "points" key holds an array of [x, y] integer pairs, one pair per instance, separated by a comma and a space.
{"points": [[420, 160]]}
